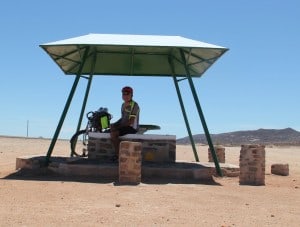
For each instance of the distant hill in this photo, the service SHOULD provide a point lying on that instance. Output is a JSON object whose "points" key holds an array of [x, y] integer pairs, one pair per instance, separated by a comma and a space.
{"points": [[287, 136]]}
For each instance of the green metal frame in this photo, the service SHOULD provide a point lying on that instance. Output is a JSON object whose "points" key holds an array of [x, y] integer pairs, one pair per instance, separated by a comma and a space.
{"points": [[193, 90]]}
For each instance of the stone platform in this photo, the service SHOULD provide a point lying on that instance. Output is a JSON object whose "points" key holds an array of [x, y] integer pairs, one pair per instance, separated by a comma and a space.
{"points": [[81, 167]]}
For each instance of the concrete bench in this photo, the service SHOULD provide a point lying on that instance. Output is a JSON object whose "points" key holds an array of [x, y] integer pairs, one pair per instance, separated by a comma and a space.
{"points": [[155, 148]]}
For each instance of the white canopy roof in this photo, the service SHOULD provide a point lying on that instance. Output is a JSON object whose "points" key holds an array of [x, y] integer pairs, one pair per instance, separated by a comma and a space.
{"points": [[140, 55]]}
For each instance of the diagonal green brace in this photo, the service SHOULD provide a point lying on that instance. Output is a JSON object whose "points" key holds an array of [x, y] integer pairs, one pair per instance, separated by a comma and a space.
{"points": [[201, 115], [87, 91], [61, 121], [66, 108], [183, 111]]}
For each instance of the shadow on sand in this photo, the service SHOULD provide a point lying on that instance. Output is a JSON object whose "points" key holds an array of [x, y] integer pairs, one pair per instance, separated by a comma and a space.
{"points": [[43, 174]]}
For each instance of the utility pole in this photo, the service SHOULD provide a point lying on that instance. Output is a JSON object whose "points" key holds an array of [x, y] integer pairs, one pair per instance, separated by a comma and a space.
{"points": [[27, 128]]}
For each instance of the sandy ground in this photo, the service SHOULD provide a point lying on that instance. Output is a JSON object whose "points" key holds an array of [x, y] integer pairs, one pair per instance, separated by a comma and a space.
{"points": [[53, 201]]}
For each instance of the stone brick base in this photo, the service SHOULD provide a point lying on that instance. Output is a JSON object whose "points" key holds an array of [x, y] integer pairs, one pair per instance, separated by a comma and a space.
{"points": [[87, 169], [155, 148], [130, 162], [29, 162]]}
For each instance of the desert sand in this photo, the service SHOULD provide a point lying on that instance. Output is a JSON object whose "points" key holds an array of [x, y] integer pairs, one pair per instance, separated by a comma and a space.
{"points": [[52, 201]]}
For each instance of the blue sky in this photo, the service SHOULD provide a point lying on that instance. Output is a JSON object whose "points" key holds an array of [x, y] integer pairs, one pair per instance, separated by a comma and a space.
{"points": [[254, 85]]}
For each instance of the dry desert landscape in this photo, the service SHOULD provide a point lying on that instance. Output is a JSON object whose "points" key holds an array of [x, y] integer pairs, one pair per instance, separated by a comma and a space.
{"points": [[46, 200]]}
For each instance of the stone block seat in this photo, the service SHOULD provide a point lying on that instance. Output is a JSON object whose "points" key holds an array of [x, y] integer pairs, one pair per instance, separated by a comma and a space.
{"points": [[155, 148]]}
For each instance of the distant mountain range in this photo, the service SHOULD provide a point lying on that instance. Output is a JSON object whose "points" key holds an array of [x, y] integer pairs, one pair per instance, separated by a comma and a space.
{"points": [[280, 137]]}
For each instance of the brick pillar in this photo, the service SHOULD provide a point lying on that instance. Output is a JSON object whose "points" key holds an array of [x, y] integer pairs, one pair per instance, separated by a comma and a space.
{"points": [[220, 152], [130, 162], [252, 165]]}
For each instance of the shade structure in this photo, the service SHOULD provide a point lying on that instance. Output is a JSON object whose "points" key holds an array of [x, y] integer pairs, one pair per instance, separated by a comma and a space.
{"points": [[138, 55], [134, 55]]}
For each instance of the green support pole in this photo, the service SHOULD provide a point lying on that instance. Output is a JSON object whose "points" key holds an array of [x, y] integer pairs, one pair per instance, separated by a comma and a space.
{"points": [[83, 107], [186, 119], [209, 141], [93, 63], [64, 113], [87, 91], [184, 112], [62, 118]]}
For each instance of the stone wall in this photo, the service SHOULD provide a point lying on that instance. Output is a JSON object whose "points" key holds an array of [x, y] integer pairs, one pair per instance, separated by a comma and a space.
{"points": [[155, 148]]}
